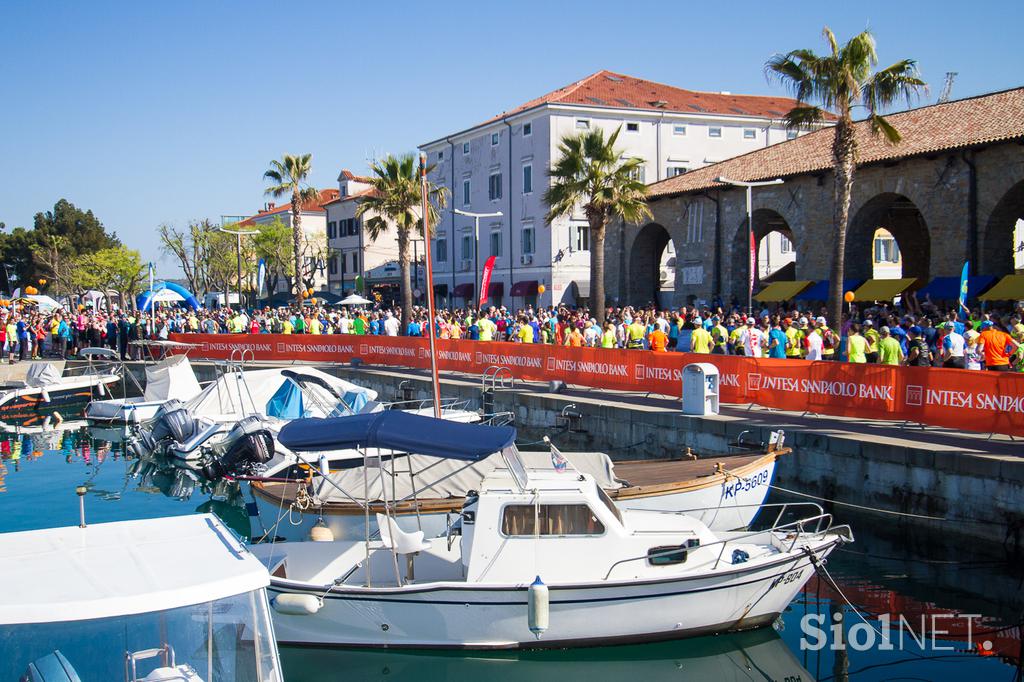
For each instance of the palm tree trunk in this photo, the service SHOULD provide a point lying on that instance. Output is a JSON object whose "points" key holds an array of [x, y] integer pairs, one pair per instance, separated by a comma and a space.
{"points": [[297, 245], [597, 235], [844, 154], [403, 264]]}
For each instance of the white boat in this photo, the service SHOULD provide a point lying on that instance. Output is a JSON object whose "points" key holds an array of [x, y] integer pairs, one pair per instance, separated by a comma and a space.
{"points": [[169, 379], [175, 598], [46, 389], [724, 492], [543, 559]]}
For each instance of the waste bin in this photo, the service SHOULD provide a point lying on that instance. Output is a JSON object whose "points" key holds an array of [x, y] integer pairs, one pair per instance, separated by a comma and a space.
{"points": [[700, 389]]}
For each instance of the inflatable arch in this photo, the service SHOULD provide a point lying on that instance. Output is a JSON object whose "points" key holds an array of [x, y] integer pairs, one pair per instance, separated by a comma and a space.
{"points": [[185, 294]]}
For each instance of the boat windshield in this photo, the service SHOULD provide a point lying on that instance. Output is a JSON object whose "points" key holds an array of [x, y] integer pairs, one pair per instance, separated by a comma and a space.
{"points": [[607, 501], [226, 639]]}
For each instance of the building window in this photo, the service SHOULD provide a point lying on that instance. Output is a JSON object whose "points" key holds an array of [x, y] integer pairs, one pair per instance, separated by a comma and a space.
{"points": [[528, 237], [583, 123], [465, 147], [632, 127], [639, 173], [679, 130], [332, 265], [441, 250], [749, 134], [341, 260], [886, 250], [714, 131], [527, 179], [465, 192], [695, 222], [496, 243], [673, 171], [527, 129], [785, 246], [517, 520], [467, 246], [440, 155], [494, 186], [355, 261], [579, 237], [495, 138], [332, 229], [790, 134]]}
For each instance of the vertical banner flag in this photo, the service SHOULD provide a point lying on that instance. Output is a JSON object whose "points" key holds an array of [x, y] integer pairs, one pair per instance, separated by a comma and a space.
{"points": [[753, 261], [149, 302], [261, 275], [485, 282], [963, 290]]}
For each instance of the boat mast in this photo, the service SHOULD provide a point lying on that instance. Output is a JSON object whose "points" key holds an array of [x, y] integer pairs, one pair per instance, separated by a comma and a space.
{"points": [[425, 213]]}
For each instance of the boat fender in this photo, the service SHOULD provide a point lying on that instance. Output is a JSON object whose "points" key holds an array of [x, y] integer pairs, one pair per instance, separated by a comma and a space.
{"points": [[296, 604], [45, 396], [739, 556], [101, 389], [320, 532], [538, 607]]}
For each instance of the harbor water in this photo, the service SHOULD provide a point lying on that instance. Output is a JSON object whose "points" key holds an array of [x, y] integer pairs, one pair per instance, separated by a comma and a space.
{"points": [[900, 604]]}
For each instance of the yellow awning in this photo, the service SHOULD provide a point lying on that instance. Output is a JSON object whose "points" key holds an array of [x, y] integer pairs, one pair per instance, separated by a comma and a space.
{"points": [[1009, 288], [781, 291], [883, 289]]}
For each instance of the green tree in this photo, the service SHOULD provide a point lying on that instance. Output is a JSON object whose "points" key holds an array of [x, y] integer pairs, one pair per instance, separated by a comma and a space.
{"points": [[274, 245], [83, 230], [395, 200], [841, 81], [118, 268], [16, 254], [290, 177], [591, 175]]}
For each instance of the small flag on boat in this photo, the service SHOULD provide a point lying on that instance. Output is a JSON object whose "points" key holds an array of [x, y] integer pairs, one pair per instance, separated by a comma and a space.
{"points": [[558, 460]]}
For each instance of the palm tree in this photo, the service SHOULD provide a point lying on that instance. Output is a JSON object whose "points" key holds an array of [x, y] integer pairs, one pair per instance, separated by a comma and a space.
{"points": [[395, 199], [841, 81], [591, 174], [290, 177]]}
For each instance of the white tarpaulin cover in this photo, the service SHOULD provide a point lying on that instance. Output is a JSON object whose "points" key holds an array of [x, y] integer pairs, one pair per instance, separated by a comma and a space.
{"points": [[230, 399], [122, 568], [172, 377], [41, 375], [437, 478]]}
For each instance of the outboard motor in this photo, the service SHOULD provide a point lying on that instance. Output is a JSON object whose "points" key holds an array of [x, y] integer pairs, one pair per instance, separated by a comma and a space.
{"points": [[171, 420], [248, 445]]}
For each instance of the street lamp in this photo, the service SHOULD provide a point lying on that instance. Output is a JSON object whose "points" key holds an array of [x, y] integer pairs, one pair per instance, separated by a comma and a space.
{"points": [[238, 235], [750, 229], [476, 244]]}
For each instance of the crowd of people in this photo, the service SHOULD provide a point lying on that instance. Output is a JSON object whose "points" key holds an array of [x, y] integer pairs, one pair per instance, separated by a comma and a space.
{"points": [[881, 334]]}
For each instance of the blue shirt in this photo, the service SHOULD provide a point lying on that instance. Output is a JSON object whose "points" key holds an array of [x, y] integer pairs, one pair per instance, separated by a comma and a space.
{"points": [[414, 329], [779, 336], [900, 335]]}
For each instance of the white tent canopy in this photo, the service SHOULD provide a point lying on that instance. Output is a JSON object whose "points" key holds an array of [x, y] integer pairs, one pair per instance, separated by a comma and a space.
{"points": [[45, 303], [166, 296], [354, 299]]}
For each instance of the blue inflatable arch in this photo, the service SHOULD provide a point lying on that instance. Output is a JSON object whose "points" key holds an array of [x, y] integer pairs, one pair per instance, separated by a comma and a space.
{"points": [[190, 300]]}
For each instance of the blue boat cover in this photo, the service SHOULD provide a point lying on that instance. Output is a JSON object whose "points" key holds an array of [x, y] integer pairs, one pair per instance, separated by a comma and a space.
{"points": [[286, 403], [948, 288], [399, 431], [819, 291]]}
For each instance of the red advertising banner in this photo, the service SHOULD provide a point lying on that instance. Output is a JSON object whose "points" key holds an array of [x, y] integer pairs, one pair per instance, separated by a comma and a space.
{"points": [[485, 285], [968, 400]]}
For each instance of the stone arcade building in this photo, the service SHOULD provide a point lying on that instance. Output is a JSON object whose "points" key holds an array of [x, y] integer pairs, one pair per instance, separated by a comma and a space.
{"points": [[951, 190]]}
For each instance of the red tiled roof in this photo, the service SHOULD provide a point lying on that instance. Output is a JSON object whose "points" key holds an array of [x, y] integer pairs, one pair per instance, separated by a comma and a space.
{"points": [[349, 175], [940, 127], [608, 89], [354, 195], [315, 206]]}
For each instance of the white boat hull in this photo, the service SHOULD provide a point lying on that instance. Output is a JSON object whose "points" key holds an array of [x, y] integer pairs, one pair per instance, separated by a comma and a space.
{"points": [[457, 615], [730, 505]]}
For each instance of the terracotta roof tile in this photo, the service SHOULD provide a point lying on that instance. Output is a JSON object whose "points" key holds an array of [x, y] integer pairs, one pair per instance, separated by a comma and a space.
{"points": [[316, 206], [369, 191], [606, 88], [936, 128]]}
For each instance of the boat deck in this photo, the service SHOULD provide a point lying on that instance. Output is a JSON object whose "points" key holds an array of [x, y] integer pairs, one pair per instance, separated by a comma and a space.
{"points": [[661, 471]]}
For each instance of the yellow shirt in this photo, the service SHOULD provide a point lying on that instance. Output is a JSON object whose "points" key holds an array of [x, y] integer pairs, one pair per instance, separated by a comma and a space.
{"points": [[608, 339], [286, 326], [700, 341], [795, 338], [314, 326], [526, 334], [486, 329]]}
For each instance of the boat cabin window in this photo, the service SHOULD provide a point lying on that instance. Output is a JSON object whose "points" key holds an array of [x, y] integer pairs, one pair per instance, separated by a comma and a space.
{"points": [[666, 555], [555, 519], [607, 501]]}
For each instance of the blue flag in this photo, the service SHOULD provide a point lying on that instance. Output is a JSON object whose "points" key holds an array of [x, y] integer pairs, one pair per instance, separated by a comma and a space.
{"points": [[963, 290], [261, 274]]}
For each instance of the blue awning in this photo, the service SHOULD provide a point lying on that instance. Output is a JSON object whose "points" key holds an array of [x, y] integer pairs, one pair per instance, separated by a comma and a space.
{"points": [[948, 288], [399, 431], [819, 291]]}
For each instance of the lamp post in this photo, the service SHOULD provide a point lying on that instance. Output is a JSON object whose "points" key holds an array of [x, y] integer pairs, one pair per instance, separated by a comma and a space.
{"points": [[476, 243], [238, 236], [750, 229]]}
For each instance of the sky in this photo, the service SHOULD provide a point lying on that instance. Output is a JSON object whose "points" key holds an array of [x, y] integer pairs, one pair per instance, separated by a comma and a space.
{"points": [[151, 113]]}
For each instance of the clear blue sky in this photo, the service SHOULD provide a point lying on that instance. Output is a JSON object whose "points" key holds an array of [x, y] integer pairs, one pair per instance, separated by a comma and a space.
{"points": [[152, 112]]}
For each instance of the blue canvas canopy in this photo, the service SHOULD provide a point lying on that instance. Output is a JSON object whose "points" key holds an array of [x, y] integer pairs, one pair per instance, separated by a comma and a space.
{"points": [[400, 431], [948, 288], [286, 403]]}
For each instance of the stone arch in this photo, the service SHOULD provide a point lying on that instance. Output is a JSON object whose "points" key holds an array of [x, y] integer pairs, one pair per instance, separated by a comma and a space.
{"points": [[902, 218], [766, 222], [997, 245], [647, 255]]}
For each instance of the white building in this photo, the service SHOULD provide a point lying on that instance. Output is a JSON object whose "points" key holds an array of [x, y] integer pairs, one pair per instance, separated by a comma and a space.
{"points": [[353, 253], [501, 165], [314, 227]]}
